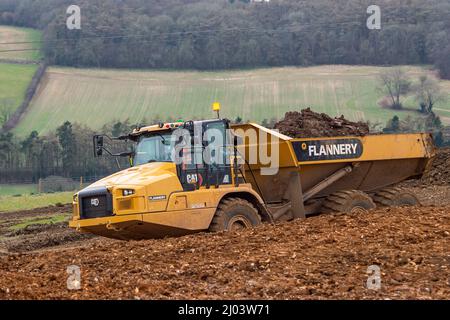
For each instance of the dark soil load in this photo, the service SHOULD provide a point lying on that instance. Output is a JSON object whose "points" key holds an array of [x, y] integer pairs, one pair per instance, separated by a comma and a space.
{"points": [[307, 123]]}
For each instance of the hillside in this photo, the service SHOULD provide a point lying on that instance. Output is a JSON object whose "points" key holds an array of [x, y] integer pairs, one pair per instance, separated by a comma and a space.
{"points": [[96, 96], [236, 34], [15, 35], [16, 67], [14, 80]]}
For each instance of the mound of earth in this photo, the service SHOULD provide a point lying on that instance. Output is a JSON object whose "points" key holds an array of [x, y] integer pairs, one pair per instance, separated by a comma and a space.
{"points": [[439, 173], [38, 236], [308, 123]]}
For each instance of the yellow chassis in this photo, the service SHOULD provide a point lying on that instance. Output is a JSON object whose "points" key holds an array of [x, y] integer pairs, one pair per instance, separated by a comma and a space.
{"points": [[163, 223]]}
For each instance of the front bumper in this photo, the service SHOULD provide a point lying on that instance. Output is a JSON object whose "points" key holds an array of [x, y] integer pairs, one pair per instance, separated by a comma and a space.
{"points": [[147, 225]]}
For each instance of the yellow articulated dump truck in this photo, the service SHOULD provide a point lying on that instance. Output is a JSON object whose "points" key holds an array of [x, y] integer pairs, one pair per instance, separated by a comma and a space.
{"points": [[239, 176]]}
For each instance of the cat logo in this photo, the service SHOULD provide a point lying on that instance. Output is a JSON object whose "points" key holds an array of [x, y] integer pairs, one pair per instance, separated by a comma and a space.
{"points": [[194, 178], [95, 202]]}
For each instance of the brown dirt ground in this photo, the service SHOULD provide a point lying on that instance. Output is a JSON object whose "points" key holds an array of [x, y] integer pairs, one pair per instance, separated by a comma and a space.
{"points": [[323, 257], [35, 236]]}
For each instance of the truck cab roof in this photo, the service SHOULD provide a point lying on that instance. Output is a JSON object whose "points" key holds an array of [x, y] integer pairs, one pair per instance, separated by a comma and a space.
{"points": [[166, 126]]}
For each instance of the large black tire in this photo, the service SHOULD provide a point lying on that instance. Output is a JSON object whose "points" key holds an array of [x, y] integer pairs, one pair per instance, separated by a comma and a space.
{"points": [[234, 214], [351, 201], [395, 197]]}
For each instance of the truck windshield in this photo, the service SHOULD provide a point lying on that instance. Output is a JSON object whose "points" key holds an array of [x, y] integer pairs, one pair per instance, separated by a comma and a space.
{"points": [[154, 148]]}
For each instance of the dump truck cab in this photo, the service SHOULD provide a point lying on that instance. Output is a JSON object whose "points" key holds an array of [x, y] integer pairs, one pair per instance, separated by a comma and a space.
{"points": [[179, 174]]}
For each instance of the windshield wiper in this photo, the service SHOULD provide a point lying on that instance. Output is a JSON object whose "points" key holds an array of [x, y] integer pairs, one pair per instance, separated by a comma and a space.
{"points": [[162, 138]]}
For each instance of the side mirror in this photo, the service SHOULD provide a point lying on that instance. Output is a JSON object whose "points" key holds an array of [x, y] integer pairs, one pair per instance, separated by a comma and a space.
{"points": [[237, 141], [98, 146]]}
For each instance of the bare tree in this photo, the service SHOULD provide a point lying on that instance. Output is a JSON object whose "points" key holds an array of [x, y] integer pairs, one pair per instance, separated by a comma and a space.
{"points": [[374, 126], [427, 92], [394, 83]]}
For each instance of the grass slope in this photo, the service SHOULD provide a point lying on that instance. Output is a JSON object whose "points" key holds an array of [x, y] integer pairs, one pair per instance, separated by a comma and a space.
{"points": [[28, 202], [14, 81], [16, 189], [13, 34], [94, 97]]}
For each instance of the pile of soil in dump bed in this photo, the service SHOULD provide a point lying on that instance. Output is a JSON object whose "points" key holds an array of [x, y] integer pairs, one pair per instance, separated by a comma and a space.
{"points": [[308, 123]]}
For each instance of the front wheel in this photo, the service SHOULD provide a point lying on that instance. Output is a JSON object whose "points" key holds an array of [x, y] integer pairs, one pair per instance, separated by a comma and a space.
{"points": [[235, 214]]}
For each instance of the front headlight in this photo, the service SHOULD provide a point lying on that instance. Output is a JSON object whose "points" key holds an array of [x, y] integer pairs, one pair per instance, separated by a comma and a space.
{"points": [[75, 197], [127, 192]]}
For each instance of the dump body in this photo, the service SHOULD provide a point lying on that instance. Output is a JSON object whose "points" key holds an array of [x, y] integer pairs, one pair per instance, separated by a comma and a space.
{"points": [[377, 161]]}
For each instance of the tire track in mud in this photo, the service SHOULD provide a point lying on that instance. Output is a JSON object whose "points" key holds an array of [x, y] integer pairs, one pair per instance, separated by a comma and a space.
{"points": [[36, 237]]}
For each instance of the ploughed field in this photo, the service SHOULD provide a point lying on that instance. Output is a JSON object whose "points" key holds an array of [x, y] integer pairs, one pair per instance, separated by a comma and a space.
{"points": [[323, 257], [99, 96], [14, 39]]}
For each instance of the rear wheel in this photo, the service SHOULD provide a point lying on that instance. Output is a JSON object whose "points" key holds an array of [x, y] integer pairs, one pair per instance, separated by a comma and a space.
{"points": [[351, 201], [395, 197], [234, 214]]}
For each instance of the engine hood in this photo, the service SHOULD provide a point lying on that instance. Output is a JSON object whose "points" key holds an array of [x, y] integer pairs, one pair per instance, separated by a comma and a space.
{"points": [[140, 176]]}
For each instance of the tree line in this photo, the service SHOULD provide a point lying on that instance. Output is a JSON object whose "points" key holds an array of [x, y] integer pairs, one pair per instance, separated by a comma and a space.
{"points": [[223, 34], [66, 152]]}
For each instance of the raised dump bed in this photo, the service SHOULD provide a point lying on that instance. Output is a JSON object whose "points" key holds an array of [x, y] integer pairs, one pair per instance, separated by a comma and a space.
{"points": [[318, 167]]}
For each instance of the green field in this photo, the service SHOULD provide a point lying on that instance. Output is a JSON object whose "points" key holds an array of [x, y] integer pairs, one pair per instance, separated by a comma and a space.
{"points": [[15, 78], [39, 221], [94, 97], [16, 189], [14, 81], [14, 35], [27, 202]]}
